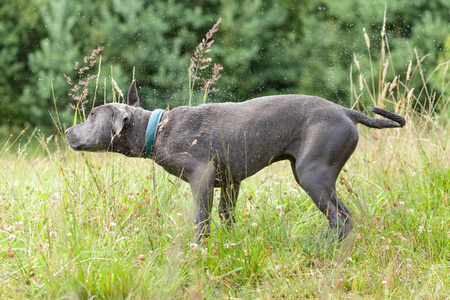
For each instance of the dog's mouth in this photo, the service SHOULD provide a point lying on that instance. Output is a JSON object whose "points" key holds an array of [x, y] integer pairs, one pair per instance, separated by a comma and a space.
{"points": [[85, 147], [75, 148], [75, 145]]}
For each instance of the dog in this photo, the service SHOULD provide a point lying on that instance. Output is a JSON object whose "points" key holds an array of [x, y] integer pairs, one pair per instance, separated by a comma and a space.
{"points": [[219, 145]]}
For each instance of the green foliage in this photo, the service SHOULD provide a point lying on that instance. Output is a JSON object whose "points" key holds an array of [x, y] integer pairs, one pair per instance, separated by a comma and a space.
{"points": [[265, 47], [55, 56], [21, 30]]}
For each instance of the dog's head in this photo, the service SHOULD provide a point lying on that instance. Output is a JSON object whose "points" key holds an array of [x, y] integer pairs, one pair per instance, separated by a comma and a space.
{"points": [[104, 126]]}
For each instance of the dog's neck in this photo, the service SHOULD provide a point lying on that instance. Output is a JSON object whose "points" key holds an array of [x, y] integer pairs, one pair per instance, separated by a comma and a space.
{"points": [[131, 141], [152, 129]]}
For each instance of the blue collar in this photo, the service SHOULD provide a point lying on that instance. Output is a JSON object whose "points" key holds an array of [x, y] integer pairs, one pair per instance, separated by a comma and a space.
{"points": [[150, 134]]}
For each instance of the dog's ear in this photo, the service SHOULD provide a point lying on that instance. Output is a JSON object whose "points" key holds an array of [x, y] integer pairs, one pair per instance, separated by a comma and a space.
{"points": [[121, 117], [133, 98]]}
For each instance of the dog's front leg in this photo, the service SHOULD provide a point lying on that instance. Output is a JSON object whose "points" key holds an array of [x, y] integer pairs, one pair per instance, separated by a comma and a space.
{"points": [[228, 198], [202, 186]]}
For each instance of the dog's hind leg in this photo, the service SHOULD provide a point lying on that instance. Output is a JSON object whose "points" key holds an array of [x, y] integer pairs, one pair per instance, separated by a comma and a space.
{"points": [[317, 168], [202, 186], [228, 197], [316, 180]]}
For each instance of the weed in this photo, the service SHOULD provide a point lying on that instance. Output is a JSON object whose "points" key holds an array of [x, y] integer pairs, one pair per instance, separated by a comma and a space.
{"points": [[200, 61], [79, 91]]}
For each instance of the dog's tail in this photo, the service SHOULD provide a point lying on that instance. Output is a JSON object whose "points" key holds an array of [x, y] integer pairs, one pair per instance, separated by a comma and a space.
{"points": [[393, 121]]}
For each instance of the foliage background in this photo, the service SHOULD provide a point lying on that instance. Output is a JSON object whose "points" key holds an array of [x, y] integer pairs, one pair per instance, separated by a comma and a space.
{"points": [[266, 47]]}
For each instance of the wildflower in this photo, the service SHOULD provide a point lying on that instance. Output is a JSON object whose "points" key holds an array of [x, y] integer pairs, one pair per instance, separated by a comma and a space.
{"points": [[10, 252], [53, 233], [411, 210], [384, 282], [421, 228], [69, 234], [136, 229], [10, 228], [12, 237], [112, 224], [193, 246], [254, 224], [141, 257], [280, 210]]}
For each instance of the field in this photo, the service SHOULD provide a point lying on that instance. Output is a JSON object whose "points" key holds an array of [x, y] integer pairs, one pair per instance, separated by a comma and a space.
{"points": [[104, 226]]}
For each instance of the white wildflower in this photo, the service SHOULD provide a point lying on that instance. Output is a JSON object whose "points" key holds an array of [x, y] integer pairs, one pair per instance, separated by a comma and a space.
{"points": [[280, 210]]}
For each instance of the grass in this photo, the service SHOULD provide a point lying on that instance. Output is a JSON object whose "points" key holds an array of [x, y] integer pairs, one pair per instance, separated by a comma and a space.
{"points": [[83, 225], [104, 226]]}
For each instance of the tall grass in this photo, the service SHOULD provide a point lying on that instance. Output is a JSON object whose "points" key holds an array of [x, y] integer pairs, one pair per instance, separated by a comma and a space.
{"points": [[84, 226]]}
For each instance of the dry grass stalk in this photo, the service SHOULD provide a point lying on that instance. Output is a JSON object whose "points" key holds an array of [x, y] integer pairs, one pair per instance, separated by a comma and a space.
{"points": [[408, 73], [79, 91], [199, 62]]}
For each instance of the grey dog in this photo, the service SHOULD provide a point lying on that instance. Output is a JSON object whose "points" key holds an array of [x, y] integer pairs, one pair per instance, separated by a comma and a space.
{"points": [[219, 145]]}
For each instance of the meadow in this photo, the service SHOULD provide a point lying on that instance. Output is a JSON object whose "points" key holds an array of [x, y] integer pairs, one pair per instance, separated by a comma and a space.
{"points": [[104, 226]]}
